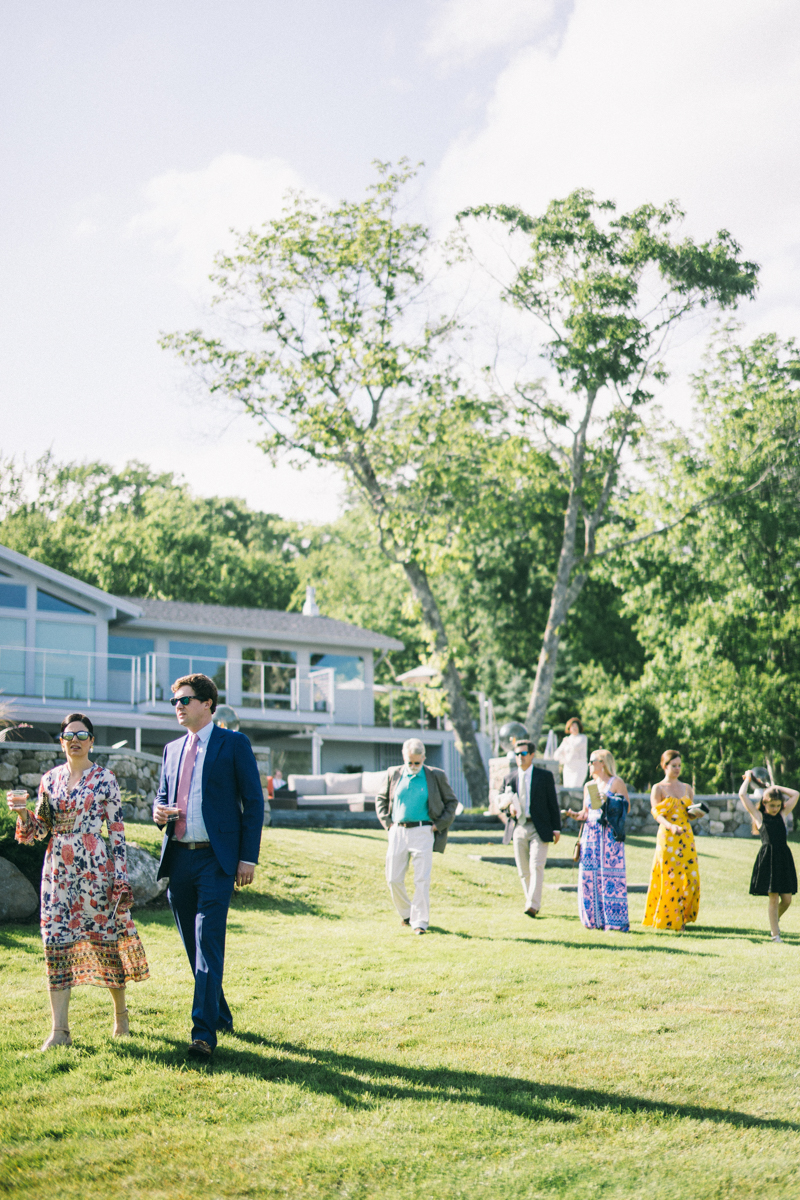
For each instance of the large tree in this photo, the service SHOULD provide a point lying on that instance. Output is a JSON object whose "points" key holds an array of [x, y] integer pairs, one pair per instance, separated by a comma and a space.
{"points": [[607, 290], [716, 599], [331, 344]]}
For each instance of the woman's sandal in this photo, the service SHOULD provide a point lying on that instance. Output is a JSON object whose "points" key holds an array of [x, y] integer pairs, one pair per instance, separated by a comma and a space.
{"points": [[117, 1032], [53, 1041]]}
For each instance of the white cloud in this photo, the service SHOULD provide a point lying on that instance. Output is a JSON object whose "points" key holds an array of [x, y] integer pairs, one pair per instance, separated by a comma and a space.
{"points": [[190, 214], [462, 30], [648, 102]]}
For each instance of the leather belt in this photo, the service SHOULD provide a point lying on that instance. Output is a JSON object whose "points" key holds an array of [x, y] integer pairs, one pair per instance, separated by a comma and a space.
{"points": [[194, 845], [413, 824]]}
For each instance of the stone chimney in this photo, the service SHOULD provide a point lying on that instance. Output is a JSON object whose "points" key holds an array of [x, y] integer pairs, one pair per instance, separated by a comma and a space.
{"points": [[310, 607]]}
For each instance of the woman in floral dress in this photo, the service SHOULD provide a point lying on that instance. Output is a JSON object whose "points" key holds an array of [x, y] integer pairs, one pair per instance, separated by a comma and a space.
{"points": [[602, 883], [88, 933], [673, 898]]}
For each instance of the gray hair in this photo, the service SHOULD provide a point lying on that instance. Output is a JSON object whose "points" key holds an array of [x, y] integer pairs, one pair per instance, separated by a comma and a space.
{"points": [[414, 746]]}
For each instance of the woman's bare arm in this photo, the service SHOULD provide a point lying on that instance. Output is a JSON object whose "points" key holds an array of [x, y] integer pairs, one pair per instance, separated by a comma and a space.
{"points": [[791, 798], [747, 802]]}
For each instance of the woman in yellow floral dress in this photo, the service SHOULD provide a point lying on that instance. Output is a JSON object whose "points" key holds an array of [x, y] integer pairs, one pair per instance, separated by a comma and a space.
{"points": [[88, 933], [673, 898]]}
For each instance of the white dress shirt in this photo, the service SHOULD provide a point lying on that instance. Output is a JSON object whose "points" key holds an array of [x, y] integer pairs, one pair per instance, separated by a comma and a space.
{"points": [[195, 826], [524, 791]]}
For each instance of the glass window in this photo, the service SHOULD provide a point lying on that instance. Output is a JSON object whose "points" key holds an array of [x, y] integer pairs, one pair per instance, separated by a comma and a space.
{"points": [[274, 680], [47, 603], [12, 656], [127, 669], [13, 595], [198, 658], [127, 648], [64, 660], [348, 668]]}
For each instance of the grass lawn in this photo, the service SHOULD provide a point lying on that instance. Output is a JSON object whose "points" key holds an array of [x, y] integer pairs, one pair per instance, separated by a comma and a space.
{"points": [[497, 1056]]}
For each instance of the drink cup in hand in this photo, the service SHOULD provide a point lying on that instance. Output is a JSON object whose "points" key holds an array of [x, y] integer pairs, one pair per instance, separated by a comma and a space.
{"points": [[17, 799]]}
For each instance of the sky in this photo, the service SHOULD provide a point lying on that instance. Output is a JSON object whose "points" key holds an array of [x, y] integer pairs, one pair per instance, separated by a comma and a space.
{"points": [[136, 136]]}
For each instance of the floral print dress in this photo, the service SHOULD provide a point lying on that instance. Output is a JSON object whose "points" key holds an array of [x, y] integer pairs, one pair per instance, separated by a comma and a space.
{"points": [[602, 883], [85, 940], [673, 898]]}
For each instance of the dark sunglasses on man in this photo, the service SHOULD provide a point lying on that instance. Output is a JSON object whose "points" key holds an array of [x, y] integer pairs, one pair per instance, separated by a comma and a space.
{"points": [[184, 700]]}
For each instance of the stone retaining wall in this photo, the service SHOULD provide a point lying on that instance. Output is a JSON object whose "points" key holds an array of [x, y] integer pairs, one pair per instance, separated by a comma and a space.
{"points": [[22, 764]]}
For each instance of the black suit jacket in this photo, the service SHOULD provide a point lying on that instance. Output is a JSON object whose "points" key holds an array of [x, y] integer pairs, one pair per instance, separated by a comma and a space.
{"points": [[545, 813]]}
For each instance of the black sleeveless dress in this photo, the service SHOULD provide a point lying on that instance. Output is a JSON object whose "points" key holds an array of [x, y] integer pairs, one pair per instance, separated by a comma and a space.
{"points": [[774, 869]]}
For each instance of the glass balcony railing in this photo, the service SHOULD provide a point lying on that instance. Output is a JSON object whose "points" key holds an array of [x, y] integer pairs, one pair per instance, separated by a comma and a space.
{"points": [[92, 677]]}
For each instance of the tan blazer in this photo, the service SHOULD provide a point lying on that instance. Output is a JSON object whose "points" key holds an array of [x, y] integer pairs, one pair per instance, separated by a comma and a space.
{"points": [[442, 802]]}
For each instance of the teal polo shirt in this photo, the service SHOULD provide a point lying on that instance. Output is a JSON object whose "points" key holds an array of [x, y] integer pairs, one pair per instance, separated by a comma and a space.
{"points": [[411, 798]]}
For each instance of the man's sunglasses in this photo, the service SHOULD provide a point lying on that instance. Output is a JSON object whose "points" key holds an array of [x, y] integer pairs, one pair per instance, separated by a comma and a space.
{"points": [[184, 700], [522, 753], [82, 735]]}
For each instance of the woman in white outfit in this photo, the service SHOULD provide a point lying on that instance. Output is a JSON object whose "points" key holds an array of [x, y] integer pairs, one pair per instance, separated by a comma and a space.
{"points": [[573, 754]]}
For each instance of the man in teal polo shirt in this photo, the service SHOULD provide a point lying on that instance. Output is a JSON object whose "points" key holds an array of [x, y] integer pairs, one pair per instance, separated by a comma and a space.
{"points": [[417, 806]]}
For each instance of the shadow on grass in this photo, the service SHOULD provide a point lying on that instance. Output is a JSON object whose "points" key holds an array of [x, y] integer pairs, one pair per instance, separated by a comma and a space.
{"points": [[624, 944], [28, 942], [242, 902], [736, 932], [368, 835], [358, 1083]]}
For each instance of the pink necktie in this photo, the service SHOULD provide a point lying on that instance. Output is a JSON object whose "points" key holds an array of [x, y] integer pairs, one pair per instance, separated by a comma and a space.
{"points": [[184, 783]]}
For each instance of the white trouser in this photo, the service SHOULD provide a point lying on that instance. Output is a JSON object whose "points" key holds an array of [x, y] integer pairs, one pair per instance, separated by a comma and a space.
{"points": [[530, 854], [414, 844]]}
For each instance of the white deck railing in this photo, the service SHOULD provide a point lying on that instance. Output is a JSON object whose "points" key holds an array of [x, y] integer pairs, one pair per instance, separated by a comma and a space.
{"points": [[142, 680]]}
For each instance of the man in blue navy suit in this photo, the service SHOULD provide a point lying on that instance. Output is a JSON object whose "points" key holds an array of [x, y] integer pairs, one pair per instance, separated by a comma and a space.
{"points": [[211, 801]]}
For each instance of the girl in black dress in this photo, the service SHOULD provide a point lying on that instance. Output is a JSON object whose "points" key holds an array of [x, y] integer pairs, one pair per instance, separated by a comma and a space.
{"points": [[774, 873]]}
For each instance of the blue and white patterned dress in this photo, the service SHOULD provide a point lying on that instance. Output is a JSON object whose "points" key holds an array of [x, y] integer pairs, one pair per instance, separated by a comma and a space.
{"points": [[602, 885]]}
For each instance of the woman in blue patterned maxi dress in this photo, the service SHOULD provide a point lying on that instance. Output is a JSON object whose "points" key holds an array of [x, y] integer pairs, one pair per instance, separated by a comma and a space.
{"points": [[602, 884]]}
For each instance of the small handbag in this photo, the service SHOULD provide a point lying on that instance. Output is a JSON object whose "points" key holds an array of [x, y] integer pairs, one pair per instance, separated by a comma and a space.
{"points": [[576, 849]]}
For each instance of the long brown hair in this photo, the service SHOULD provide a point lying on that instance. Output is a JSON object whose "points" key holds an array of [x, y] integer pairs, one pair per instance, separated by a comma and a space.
{"points": [[667, 757]]}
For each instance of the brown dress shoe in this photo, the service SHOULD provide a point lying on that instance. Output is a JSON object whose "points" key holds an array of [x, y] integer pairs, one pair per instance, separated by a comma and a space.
{"points": [[200, 1050], [531, 912]]}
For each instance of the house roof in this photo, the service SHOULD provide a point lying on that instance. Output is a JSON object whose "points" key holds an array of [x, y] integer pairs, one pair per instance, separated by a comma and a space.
{"points": [[175, 615], [49, 575]]}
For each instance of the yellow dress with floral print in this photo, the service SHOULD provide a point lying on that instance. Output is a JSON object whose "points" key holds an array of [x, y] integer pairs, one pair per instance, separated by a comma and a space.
{"points": [[673, 898]]}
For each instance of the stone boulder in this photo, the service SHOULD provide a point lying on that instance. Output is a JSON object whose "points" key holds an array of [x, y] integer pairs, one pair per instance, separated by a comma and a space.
{"points": [[142, 868], [18, 899]]}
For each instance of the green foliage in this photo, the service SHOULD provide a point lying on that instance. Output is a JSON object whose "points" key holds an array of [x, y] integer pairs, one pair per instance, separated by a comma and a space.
{"points": [[27, 859], [136, 533], [716, 600]]}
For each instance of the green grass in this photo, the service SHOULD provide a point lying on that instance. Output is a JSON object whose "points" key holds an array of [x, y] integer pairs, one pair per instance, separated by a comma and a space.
{"points": [[496, 1057]]}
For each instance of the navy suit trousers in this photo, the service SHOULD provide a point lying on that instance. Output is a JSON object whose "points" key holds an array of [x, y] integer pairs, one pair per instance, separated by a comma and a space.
{"points": [[199, 894]]}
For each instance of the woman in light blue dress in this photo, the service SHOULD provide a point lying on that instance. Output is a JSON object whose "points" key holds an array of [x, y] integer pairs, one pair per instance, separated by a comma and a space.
{"points": [[602, 883]]}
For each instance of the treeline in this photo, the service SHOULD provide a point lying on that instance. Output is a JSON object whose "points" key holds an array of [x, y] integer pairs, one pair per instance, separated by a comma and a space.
{"points": [[687, 638], [553, 542]]}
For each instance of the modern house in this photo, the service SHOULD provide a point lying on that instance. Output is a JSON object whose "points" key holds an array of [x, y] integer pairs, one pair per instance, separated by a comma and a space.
{"points": [[301, 683]]}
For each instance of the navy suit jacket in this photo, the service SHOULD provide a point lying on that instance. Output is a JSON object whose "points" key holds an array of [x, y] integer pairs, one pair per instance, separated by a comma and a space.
{"points": [[233, 799]]}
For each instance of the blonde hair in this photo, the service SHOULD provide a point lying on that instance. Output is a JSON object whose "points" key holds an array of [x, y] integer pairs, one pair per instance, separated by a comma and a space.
{"points": [[608, 760]]}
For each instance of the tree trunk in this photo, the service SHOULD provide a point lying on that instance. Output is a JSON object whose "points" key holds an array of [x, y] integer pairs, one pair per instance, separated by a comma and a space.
{"points": [[561, 602], [564, 593], [460, 714]]}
